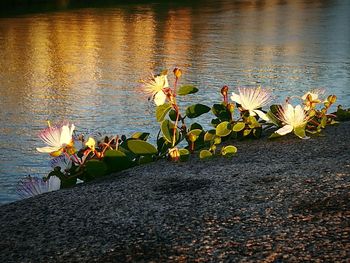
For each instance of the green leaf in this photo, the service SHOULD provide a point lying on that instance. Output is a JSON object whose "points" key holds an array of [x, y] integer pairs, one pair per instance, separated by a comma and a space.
{"points": [[220, 111], [196, 110], [215, 122], [95, 168], [222, 129], [196, 132], [139, 147], [186, 89], [204, 154], [184, 155], [172, 115], [194, 135], [195, 126], [275, 135], [300, 132], [272, 117], [238, 126], [246, 132], [117, 160], [253, 123], [323, 122], [229, 150], [163, 145], [209, 135], [257, 132], [140, 136], [146, 159], [217, 140], [167, 128], [68, 182], [343, 115], [161, 111]]}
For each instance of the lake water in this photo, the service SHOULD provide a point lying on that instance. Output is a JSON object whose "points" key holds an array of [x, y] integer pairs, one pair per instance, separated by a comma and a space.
{"points": [[84, 65]]}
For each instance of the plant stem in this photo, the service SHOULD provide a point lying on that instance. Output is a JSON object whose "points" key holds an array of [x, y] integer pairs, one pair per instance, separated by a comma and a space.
{"points": [[176, 122]]}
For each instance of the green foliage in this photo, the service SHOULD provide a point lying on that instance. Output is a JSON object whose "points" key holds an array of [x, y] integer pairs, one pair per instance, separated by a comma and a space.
{"points": [[140, 136], [221, 112], [196, 110], [162, 110], [145, 159], [117, 161], [210, 135], [205, 154], [163, 146], [342, 115], [239, 126], [187, 89], [223, 129], [167, 129], [196, 126], [228, 151], [300, 132], [172, 115], [139, 147], [184, 155], [95, 168]]}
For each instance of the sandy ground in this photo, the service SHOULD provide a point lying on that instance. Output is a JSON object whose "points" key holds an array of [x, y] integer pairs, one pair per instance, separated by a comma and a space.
{"points": [[286, 200]]}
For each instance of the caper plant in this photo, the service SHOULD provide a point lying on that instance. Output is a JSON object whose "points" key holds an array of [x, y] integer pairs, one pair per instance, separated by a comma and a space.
{"points": [[236, 117]]}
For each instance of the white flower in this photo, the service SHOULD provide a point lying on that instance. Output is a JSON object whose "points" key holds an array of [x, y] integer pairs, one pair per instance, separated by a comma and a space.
{"points": [[155, 85], [251, 99], [31, 186], [292, 118], [57, 138]]}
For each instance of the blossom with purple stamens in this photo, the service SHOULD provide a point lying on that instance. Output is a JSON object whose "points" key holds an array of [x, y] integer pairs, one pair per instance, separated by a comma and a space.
{"points": [[30, 185]]}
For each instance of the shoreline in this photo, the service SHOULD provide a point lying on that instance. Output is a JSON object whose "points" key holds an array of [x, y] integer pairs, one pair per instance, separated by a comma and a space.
{"points": [[282, 200]]}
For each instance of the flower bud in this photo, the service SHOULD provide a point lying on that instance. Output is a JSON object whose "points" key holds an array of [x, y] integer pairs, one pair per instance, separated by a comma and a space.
{"points": [[91, 143], [231, 107], [212, 148], [312, 113], [332, 98], [224, 91], [192, 137], [174, 154], [177, 72]]}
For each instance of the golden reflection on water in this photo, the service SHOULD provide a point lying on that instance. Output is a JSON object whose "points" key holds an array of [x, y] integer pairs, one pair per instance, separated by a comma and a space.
{"points": [[84, 64]]}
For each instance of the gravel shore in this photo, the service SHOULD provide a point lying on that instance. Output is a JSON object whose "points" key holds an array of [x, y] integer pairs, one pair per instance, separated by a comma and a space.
{"points": [[284, 200]]}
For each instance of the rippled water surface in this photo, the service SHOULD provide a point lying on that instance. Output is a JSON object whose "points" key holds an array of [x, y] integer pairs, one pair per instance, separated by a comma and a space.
{"points": [[84, 65]]}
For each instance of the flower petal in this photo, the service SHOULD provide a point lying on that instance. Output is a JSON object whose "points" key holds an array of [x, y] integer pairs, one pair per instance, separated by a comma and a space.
{"points": [[47, 149], [236, 98], [66, 136], [262, 115], [285, 129], [159, 98], [54, 183], [252, 113]]}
